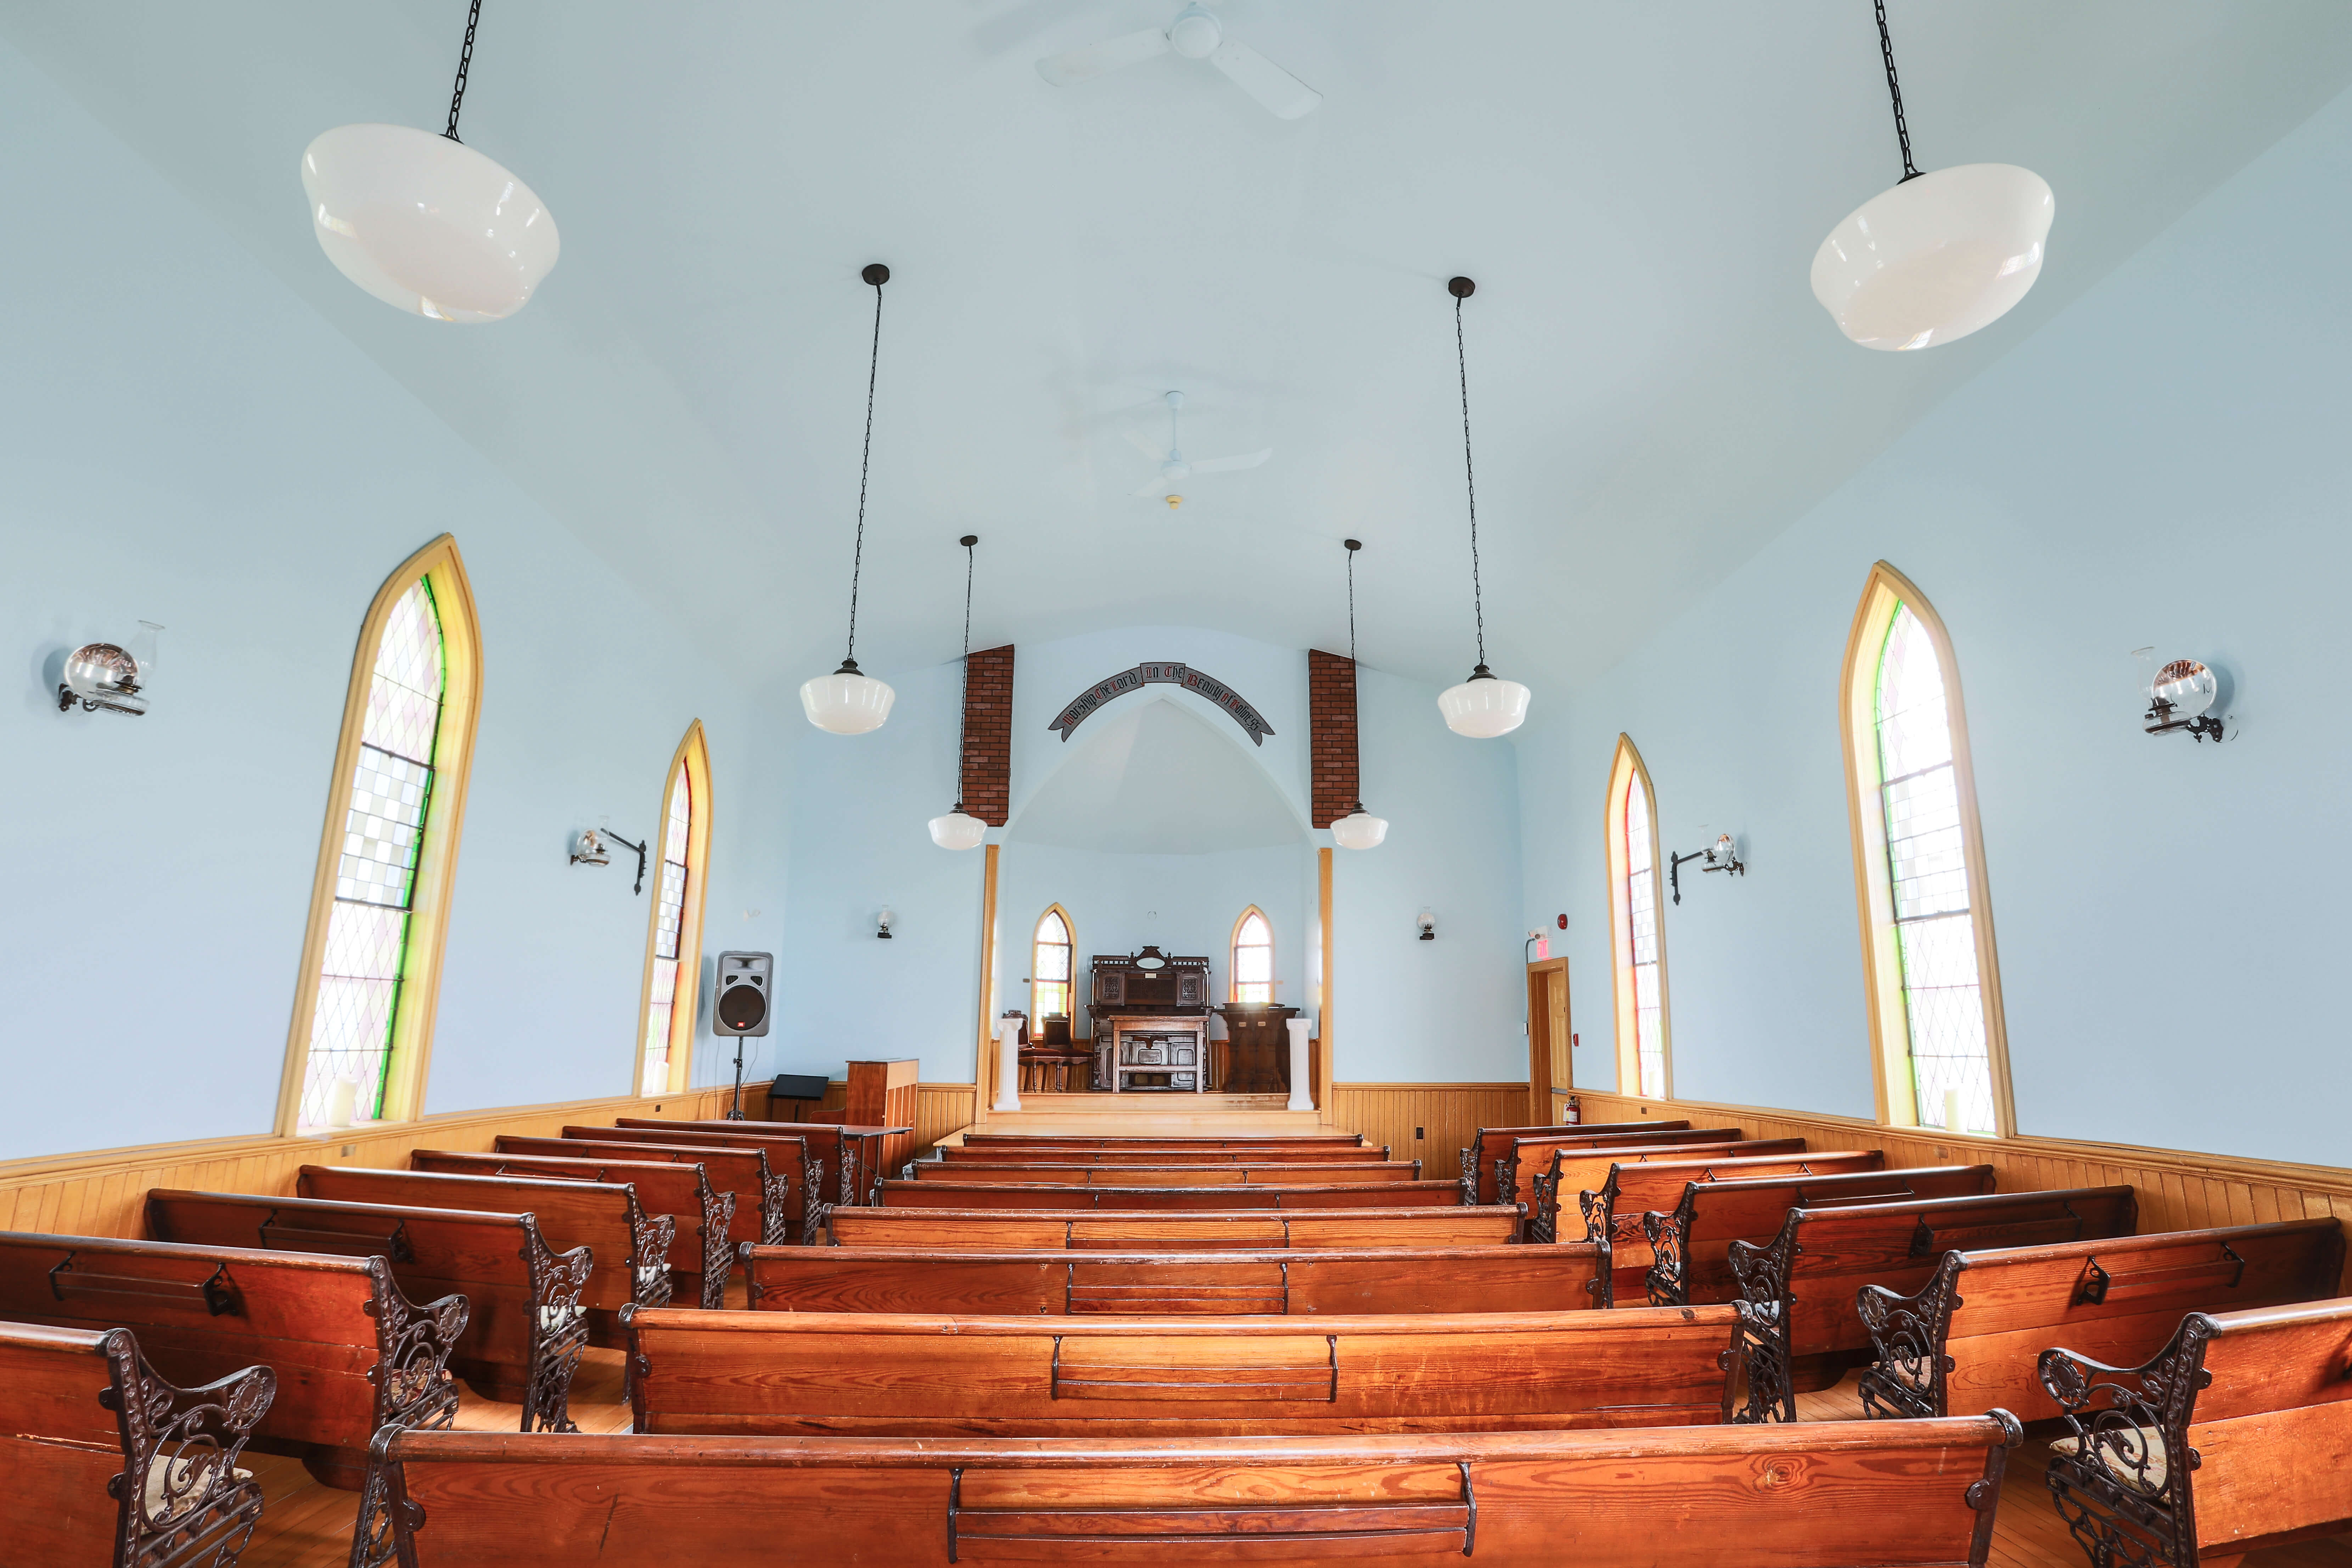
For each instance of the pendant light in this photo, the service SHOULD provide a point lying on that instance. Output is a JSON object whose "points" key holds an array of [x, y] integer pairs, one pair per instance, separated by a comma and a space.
{"points": [[847, 703], [1481, 707], [425, 223], [959, 829], [1939, 254], [1360, 829]]}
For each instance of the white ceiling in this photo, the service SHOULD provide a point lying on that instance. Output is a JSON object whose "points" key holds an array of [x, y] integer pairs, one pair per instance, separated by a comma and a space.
{"points": [[1637, 189], [1150, 778]]}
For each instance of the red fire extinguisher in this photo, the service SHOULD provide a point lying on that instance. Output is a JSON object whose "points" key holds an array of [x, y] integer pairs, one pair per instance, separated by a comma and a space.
{"points": [[1575, 1111]]}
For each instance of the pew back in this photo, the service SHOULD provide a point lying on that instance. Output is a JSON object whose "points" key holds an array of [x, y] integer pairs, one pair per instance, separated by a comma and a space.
{"points": [[950, 1154], [790, 1161], [700, 1253], [103, 1464], [1142, 1141], [524, 1323], [351, 1351], [1897, 1494], [759, 1207], [913, 1375], [1564, 1172], [1526, 1156], [1226, 1174], [848, 1153], [1612, 1216], [1489, 1144], [1253, 1195], [1299, 1283], [999, 1230], [1692, 1243], [1980, 1324]]}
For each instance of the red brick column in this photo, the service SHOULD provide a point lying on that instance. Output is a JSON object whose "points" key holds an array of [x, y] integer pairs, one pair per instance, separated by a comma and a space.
{"points": [[987, 783], [1331, 735]]}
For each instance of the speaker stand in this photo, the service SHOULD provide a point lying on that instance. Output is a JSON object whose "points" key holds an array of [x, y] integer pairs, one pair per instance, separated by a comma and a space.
{"points": [[737, 1113]]}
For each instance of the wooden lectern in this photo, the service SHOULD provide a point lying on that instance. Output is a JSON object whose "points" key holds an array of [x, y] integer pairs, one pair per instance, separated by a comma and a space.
{"points": [[882, 1094]]}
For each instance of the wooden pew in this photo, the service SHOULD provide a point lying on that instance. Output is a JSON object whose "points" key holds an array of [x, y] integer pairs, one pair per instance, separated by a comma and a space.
{"points": [[1326, 1195], [1572, 1173], [1144, 1140], [1612, 1213], [790, 1160], [524, 1324], [1527, 1155], [1489, 1144], [629, 1248], [932, 1172], [1973, 1336], [105, 1464], [853, 1154], [763, 1211], [954, 1155], [1002, 1230], [701, 1252], [1298, 1283], [1690, 1245], [2230, 1439], [1799, 1292], [893, 1374], [1894, 1494], [351, 1351]]}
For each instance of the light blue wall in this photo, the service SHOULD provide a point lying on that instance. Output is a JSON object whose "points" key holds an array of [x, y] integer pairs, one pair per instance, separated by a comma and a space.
{"points": [[184, 441], [2165, 464]]}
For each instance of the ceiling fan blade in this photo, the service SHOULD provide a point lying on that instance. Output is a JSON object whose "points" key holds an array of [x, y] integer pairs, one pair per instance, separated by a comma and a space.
{"points": [[1072, 67], [1147, 445], [1227, 464], [1284, 95], [1159, 486]]}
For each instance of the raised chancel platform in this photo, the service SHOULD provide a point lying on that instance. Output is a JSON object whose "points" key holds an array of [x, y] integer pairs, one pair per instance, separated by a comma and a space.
{"points": [[1151, 1116]]}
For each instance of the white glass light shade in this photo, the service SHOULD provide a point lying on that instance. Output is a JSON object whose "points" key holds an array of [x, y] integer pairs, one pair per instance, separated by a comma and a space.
{"points": [[1483, 708], [957, 830], [846, 704], [1936, 258], [1360, 829], [426, 224]]}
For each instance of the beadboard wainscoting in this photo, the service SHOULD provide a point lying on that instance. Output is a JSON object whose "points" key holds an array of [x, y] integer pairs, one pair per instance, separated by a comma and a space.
{"points": [[1446, 1115]]}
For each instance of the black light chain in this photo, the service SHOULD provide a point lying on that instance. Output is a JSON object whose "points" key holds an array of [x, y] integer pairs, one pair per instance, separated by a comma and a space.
{"points": [[1355, 692], [465, 64], [1470, 473], [1894, 92], [864, 461], [1351, 605], [963, 719]]}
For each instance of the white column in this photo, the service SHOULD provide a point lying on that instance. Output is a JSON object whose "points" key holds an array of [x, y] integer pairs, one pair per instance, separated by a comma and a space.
{"points": [[1302, 1095], [1008, 1065]]}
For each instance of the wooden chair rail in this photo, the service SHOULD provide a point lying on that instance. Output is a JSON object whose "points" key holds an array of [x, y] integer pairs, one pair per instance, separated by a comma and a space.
{"points": [[84, 1417], [1971, 1337], [1895, 1494], [1469, 1280]]}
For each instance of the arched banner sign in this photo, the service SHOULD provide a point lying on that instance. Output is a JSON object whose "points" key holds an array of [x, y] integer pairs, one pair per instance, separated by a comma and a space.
{"points": [[1162, 674]]}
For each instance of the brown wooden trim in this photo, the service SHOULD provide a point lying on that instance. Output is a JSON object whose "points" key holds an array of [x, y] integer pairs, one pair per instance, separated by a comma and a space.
{"points": [[982, 1055], [1323, 1004]]}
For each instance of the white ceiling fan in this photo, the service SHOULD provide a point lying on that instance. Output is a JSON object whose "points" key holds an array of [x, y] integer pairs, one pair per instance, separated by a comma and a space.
{"points": [[1175, 467], [1197, 35]]}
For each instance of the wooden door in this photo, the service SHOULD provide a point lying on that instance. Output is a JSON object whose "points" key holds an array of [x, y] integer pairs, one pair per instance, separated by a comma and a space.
{"points": [[1548, 1039]]}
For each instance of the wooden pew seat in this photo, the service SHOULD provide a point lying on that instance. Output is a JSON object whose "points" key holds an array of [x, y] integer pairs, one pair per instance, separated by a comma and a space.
{"points": [[702, 1254], [923, 1375], [1972, 1338], [1300, 1282], [1128, 1230], [1690, 1245], [1323, 1195], [2231, 1438], [1799, 1293], [1145, 1140], [106, 1463], [524, 1323], [352, 1352], [1897, 1494], [628, 1249]]}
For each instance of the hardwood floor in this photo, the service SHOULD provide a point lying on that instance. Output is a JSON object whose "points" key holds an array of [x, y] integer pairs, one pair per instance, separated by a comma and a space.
{"points": [[306, 1525]]}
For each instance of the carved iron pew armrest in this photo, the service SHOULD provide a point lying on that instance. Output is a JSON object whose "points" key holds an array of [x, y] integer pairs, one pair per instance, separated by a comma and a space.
{"points": [[1908, 1365], [1469, 1158], [2120, 1479], [1594, 1207], [649, 1280], [813, 1209], [852, 1190], [1506, 1178], [1667, 1284], [1764, 1308], [413, 1385], [718, 1251], [559, 1330], [775, 1203], [1541, 1225], [386, 1516], [181, 1445]]}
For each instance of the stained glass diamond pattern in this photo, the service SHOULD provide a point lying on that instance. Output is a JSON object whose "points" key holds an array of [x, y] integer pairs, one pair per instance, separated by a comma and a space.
{"points": [[384, 829], [1641, 940]]}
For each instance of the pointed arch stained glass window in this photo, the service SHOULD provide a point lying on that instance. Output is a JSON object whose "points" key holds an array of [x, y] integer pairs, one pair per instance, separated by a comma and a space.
{"points": [[1642, 938], [671, 923], [1253, 958]]}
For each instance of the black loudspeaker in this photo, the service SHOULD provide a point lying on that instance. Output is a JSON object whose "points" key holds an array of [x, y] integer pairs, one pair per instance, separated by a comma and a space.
{"points": [[742, 1002]]}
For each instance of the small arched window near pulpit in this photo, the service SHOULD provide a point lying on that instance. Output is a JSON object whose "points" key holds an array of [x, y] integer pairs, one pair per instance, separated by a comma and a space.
{"points": [[1050, 984], [1252, 969]]}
